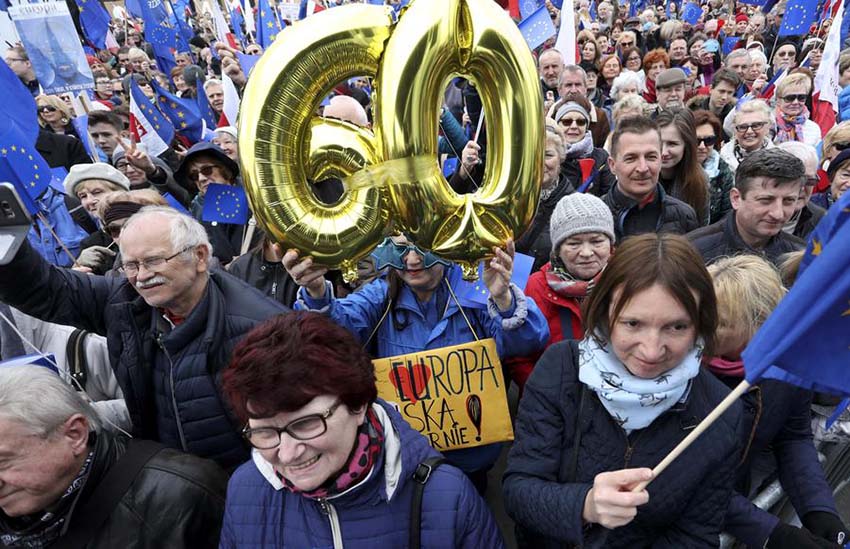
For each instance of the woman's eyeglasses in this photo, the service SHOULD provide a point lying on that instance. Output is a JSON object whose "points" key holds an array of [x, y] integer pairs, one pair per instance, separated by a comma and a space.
{"points": [[303, 428], [755, 126]]}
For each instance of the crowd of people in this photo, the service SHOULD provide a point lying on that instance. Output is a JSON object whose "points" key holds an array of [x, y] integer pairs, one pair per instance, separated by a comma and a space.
{"points": [[207, 387]]}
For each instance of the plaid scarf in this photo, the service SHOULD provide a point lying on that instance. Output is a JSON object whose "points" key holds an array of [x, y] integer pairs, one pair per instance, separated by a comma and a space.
{"points": [[566, 285]]}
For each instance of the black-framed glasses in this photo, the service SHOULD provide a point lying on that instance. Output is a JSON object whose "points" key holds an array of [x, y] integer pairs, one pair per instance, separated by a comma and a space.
{"points": [[755, 126], [708, 140], [207, 170], [798, 97], [153, 264], [303, 428]]}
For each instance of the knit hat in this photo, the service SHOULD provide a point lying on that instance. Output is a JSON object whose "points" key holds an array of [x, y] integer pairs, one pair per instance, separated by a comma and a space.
{"points": [[579, 213], [571, 106], [80, 173], [836, 163], [741, 18], [670, 77]]}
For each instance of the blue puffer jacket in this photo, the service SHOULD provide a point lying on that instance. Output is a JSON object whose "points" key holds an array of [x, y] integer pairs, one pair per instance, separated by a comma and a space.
{"points": [[52, 204], [783, 429], [687, 502], [197, 350], [376, 513], [416, 327]]}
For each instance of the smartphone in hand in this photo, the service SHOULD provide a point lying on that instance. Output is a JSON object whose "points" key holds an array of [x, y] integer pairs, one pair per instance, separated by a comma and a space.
{"points": [[15, 222]]}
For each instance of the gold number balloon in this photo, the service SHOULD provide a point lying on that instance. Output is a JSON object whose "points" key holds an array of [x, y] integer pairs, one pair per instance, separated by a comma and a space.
{"points": [[432, 42], [282, 146]]}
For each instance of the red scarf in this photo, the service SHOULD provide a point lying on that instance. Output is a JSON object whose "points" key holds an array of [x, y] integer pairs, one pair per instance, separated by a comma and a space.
{"points": [[564, 284], [367, 447], [724, 367]]}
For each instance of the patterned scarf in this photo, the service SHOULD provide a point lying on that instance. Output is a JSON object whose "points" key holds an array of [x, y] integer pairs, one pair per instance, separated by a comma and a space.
{"points": [[43, 529], [581, 149], [790, 128], [566, 285], [368, 445], [741, 154], [631, 401]]}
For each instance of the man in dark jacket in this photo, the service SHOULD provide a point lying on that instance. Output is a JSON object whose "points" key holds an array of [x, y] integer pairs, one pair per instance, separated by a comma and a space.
{"points": [[170, 325], [637, 201], [56, 457], [60, 150], [767, 187]]}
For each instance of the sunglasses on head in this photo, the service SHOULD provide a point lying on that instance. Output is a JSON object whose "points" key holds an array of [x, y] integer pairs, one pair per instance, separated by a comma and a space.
{"points": [[798, 97], [708, 140]]}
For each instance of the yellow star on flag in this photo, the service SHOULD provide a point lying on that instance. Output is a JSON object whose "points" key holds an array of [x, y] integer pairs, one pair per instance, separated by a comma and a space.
{"points": [[817, 247]]}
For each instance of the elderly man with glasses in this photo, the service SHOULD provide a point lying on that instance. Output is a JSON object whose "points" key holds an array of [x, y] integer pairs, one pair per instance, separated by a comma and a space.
{"points": [[171, 323]]}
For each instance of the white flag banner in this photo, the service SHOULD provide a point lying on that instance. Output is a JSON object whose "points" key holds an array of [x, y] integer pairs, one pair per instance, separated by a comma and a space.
{"points": [[826, 79], [566, 42], [230, 110]]}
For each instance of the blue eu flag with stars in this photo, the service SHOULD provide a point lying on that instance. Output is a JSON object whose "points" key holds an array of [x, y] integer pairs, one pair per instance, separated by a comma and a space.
{"points": [[476, 293], [160, 123], [226, 204], [94, 19], [205, 109], [806, 341], [528, 7], [268, 25], [691, 13], [22, 166], [799, 15], [183, 113], [18, 105], [537, 27], [161, 32]]}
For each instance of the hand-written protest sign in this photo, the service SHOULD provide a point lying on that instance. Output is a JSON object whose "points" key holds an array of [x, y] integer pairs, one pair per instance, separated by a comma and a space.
{"points": [[52, 44], [455, 396]]}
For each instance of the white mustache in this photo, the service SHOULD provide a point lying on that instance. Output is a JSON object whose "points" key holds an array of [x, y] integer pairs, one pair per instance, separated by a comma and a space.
{"points": [[141, 285]]}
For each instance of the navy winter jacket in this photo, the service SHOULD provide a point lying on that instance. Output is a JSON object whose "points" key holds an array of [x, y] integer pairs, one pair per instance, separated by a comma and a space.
{"points": [[784, 429], [687, 502], [376, 513], [148, 358]]}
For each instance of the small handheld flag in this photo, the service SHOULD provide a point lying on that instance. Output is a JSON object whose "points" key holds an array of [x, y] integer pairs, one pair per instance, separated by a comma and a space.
{"points": [[226, 204], [537, 28]]}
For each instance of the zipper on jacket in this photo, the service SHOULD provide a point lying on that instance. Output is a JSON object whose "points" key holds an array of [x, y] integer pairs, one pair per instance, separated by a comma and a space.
{"points": [[173, 398], [630, 448], [328, 510]]}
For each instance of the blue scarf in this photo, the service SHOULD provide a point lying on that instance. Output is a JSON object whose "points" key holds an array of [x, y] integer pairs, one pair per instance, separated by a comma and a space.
{"points": [[633, 402]]}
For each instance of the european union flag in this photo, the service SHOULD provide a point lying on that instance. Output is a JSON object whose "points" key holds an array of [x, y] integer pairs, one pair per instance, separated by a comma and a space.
{"points": [[161, 32], [528, 7], [18, 104], [729, 44], [537, 28], [268, 25], [174, 203], [134, 8], [226, 204], [205, 109], [476, 293], [806, 341], [799, 15], [23, 166], [94, 19], [691, 13], [635, 7], [236, 21], [160, 124], [183, 113], [247, 62]]}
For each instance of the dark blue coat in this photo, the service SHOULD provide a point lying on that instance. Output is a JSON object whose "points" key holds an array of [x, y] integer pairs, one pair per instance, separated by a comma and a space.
{"points": [[784, 429], [453, 514], [197, 350], [687, 502]]}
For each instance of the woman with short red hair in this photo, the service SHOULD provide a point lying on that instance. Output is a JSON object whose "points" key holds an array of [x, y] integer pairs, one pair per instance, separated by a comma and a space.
{"points": [[332, 464]]}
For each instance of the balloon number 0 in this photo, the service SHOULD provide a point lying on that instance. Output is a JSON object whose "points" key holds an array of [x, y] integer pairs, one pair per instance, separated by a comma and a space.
{"points": [[392, 176]]}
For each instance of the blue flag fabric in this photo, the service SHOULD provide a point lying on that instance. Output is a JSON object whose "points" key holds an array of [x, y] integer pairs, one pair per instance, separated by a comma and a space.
{"points": [[247, 62], [799, 15], [268, 25], [528, 7], [161, 32], [81, 125], [161, 125], [94, 19], [691, 13], [805, 341], [181, 8], [226, 204], [134, 8], [174, 203], [183, 114], [205, 109], [46, 361], [635, 7], [537, 28], [22, 166], [18, 104], [729, 44], [476, 293], [236, 21]]}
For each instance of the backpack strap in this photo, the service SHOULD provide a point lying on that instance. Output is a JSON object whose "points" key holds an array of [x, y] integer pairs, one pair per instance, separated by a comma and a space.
{"points": [[88, 519], [420, 478], [75, 356]]}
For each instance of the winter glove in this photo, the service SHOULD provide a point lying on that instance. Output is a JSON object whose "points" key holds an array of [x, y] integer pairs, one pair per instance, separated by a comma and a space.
{"points": [[96, 258], [827, 526], [785, 536]]}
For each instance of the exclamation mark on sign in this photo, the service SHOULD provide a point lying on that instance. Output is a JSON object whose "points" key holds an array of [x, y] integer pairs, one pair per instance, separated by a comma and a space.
{"points": [[473, 410]]}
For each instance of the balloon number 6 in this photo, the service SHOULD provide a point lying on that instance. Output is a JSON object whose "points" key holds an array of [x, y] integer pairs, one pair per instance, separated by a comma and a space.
{"points": [[393, 179]]}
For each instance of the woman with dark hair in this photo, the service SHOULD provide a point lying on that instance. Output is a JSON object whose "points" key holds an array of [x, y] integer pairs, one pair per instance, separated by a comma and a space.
{"points": [[721, 178], [590, 52], [414, 308], [332, 464], [599, 412], [682, 175], [632, 59]]}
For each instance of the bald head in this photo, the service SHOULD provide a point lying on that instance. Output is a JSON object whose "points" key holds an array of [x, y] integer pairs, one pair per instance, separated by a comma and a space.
{"points": [[343, 107]]}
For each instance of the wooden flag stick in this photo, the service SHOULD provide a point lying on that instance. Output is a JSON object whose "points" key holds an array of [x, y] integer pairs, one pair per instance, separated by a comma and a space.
{"points": [[699, 430]]}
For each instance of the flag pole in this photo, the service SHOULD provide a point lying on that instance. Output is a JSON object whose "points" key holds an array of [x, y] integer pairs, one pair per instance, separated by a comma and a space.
{"points": [[699, 430], [44, 220]]}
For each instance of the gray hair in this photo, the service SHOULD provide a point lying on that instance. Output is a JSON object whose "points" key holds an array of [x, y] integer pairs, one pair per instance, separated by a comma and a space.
{"points": [[739, 53], [186, 232], [40, 400], [628, 103], [572, 69], [624, 79], [754, 105], [756, 54], [803, 151], [212, 82]]}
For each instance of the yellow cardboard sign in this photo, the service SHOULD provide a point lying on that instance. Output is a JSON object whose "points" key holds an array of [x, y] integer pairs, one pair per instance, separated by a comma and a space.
{"points": [[455, 396]]}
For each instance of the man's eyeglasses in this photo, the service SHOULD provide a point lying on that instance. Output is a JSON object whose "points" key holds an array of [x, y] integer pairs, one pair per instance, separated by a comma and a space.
{"points": [[708, 140], [205, 170], [798, 97], [755, 126], [303, 428], [153, 264]]}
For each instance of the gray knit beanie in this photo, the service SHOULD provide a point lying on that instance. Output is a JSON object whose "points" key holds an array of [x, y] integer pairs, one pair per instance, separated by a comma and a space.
{"points": [[580, 213]]}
